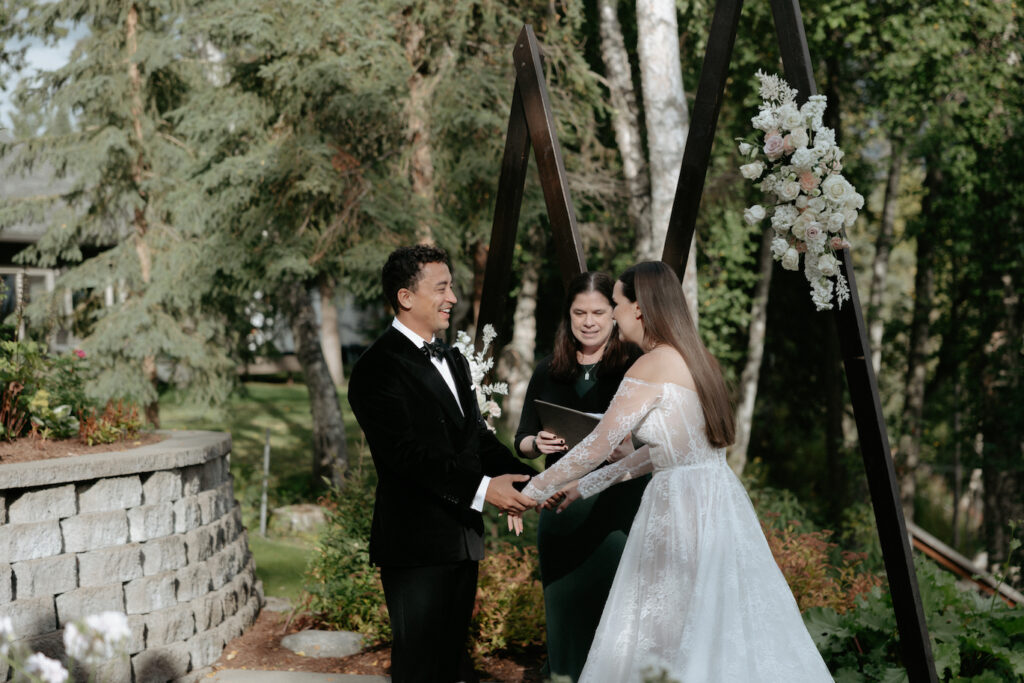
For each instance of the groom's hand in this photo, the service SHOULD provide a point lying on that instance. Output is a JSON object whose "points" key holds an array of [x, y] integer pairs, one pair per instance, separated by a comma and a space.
{"points": [[502, 495]]}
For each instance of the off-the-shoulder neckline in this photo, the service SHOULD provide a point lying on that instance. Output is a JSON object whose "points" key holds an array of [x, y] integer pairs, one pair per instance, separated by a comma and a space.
{"points": [[672, 384]]}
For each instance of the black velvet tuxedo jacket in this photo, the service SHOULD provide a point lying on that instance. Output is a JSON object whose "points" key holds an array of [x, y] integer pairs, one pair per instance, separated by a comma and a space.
{"points": [[429, 458]]}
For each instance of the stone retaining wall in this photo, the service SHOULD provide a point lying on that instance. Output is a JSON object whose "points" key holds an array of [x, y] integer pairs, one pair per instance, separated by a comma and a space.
{"points": [[153, 532]]}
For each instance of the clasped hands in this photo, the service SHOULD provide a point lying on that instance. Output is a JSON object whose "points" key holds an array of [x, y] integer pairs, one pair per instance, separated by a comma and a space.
{"points": [[502, 495]]}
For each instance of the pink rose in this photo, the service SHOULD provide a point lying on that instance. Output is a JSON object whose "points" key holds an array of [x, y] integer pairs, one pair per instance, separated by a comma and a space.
{"points": [[839, 243], [808, 181], [80, 353], [773, 146], [787, 144], [812, 232]]}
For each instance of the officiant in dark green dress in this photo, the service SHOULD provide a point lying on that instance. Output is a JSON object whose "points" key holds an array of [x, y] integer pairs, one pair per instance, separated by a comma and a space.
{"points": [[579, 548]]}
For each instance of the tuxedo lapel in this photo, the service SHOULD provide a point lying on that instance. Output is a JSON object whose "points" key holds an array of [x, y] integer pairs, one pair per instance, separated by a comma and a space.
{"points": [[420, 368], [463, 381]]}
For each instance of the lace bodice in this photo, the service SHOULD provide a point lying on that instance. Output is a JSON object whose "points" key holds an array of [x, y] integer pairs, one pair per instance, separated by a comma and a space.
{"points": [[667, 417]]}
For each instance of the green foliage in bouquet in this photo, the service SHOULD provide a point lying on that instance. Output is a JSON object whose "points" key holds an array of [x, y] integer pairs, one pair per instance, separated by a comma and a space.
{"points": [[973, 637]]}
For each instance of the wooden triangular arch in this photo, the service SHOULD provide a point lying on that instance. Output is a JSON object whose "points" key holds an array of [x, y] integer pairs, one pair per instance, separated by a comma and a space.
{"points": [[531, 122]]}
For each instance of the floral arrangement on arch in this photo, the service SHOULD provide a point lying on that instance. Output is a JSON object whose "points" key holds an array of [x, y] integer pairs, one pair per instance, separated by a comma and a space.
{"points": [[479, 365], [798, 166]]}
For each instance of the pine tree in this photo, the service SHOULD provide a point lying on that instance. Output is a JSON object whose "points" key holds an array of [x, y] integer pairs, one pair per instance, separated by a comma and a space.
{"points": [[140, 271]]}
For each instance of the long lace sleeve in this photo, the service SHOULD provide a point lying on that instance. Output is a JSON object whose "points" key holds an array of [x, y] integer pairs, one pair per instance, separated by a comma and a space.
{"points": [[636, 464], [631, 404]]}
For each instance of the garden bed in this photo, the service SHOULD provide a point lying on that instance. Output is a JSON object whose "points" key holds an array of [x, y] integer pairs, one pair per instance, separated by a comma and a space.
{"points": [[28, 448]]}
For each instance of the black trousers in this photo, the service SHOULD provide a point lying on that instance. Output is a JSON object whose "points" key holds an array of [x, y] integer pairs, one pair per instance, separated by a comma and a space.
{"points": [[430, 608]]}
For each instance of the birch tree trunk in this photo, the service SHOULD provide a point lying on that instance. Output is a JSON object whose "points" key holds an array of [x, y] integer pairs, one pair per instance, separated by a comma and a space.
{"points": [[668, 122], [914, 383], [755, 353], [626, 120], [516, 363], [330, 458], [883, 247], [330, 340]]}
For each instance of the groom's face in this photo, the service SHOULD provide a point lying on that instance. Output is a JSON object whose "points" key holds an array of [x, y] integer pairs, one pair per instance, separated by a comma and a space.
{"points": [[427, 306]]}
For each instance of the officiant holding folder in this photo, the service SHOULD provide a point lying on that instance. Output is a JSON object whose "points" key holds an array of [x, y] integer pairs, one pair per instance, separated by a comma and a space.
{"points": [[579, 548]]}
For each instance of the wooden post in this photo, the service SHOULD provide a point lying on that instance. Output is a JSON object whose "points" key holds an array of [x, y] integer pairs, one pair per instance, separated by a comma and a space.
{"points": [[266, 475]]}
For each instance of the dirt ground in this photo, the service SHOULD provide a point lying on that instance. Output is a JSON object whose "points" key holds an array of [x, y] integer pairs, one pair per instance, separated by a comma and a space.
{"points": [[30, 448], [260, 648]]}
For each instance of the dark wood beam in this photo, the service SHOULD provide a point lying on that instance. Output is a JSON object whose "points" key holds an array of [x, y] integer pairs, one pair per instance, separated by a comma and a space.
{"points": [[867, 408], [697, 154], [541, 124]]}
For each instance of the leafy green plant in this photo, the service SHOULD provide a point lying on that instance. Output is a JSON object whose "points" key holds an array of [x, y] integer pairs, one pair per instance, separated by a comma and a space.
{"points": [[41, 392], [972, 638], [509, 613], [342, 590], [118, 421]]}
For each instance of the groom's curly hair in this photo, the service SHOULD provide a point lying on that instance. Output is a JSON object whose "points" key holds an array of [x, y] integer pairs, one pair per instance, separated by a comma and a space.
{"points": [[404, 268]]}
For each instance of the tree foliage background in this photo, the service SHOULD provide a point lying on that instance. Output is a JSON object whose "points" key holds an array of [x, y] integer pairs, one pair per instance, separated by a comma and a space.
{"points": [[227, 150]]}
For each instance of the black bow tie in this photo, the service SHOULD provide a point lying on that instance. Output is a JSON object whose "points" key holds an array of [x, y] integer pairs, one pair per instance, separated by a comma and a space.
{"points": [[435, 348]]}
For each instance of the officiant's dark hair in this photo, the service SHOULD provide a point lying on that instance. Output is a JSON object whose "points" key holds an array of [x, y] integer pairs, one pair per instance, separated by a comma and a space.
{"points": [[617, 354], [667, 320], [402, 269]]}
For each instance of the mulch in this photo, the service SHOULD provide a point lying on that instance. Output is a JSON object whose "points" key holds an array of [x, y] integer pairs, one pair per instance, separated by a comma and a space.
{"points": [[29, 448], [260, 648]]}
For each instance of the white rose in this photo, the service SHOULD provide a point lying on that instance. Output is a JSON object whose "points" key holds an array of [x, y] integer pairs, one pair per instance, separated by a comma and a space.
{"points": [[803, 158], [816, 204], [752, 171], [835, 222], [855, 201], [849, 217], [784, 217], [764, 120], [828, 265], [801, 202], [799, 137], [788, 190], [754, 214], [791, 259], [745, 148], [779, 248], [800, 228], [789, 117], [836, 189]]}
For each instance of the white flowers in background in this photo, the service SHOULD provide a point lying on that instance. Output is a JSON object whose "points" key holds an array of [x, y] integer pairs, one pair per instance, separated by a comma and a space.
{"points": [[797, 165], [97, 638], [45, 669], [479, 365]]}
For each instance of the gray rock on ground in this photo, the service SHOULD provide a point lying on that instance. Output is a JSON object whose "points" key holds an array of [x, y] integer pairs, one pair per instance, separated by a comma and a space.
{"points": [[312, 643]]}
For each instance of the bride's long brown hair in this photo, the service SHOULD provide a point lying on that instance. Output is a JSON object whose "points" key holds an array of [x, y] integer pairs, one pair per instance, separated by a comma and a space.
{"points": [[667, 320]]}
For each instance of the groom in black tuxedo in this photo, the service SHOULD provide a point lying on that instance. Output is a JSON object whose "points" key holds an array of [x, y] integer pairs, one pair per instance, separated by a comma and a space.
{"points": [[435, 459]]}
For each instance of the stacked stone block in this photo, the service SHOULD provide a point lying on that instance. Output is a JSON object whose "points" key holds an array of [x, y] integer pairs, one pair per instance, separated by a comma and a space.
{"points": [[154, 533]]}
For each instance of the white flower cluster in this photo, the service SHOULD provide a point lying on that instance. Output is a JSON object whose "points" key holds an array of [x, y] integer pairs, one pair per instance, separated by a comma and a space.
{"points": [[33, 667], [479, 365], [798, 166], [97, 638]]}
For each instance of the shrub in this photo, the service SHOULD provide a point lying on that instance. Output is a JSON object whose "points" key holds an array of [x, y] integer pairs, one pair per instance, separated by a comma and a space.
{"points": [[509, 612], [816, 574], [117, 422], [972, 637], [40, 393], [343, 591]]}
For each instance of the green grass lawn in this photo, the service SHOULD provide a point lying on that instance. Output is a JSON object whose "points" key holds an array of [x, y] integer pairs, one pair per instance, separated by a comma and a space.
{"points": [[284, 410]]}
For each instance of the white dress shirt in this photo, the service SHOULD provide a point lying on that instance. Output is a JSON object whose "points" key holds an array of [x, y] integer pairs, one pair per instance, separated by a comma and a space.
{"points": [[446, 374]]}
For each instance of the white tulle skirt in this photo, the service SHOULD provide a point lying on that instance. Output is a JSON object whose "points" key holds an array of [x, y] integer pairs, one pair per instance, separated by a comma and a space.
{"points": [[698, 594]]}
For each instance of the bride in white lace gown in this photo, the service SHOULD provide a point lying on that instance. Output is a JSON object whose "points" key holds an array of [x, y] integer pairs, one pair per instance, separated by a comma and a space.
{"points": [[697, 593]]}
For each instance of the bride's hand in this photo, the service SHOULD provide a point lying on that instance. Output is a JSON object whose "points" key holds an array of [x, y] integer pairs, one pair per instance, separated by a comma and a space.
{"points": [[515, 523], [563, 498]]}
